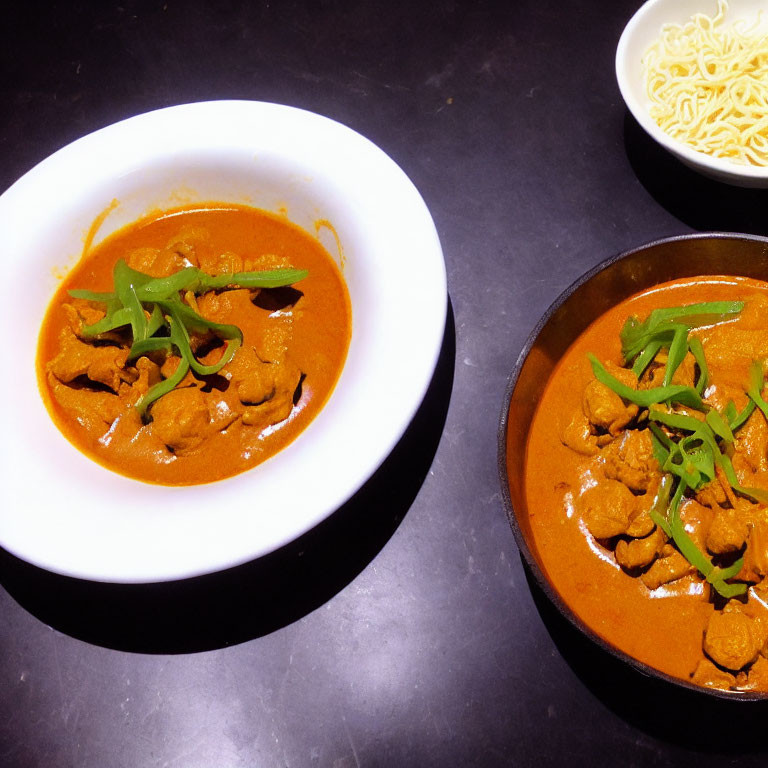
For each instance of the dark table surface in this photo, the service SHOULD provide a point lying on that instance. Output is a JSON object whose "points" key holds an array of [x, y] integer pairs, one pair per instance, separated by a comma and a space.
{"points": [[404, 630]]}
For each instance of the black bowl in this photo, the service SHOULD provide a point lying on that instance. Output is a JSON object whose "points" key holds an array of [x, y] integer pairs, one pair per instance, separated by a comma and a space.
{"points": [[589, 297]]}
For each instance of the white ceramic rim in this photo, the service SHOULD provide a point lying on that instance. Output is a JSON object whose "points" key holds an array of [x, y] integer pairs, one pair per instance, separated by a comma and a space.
{"points": [[65, 513], [634, 40]]}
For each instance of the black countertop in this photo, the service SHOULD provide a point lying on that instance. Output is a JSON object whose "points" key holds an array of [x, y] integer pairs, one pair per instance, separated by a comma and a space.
{"points": [[404, 630]]}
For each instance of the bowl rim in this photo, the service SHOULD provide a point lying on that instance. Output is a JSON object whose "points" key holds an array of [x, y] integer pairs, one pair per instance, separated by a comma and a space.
{"points": [[530, 561], [724, 169]]}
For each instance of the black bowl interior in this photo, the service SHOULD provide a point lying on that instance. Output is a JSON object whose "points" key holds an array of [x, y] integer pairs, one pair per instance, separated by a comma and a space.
{"points": [[607, 284]]}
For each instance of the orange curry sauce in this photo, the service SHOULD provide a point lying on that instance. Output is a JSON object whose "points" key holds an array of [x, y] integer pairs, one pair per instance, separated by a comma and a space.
{"points": [[664, 627], [308, 324]]}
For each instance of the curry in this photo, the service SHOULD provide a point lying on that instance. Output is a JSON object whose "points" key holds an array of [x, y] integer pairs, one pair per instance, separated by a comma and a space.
{"points": [[194, 344], [646, 480]]}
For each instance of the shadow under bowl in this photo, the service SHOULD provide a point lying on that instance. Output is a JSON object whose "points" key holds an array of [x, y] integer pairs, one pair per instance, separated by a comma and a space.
{"points": [[573, 311]]}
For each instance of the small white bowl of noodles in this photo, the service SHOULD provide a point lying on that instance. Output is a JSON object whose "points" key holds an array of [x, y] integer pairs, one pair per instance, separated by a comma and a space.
{"points": [[694, 73]]}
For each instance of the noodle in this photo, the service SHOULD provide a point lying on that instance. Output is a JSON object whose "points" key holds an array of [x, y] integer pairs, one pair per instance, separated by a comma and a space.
{"points": [[708, 86]]}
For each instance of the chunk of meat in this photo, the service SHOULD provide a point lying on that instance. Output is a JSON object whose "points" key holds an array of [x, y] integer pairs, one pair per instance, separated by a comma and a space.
{"points": [[80, 313], [185, 250], [148, 375], [729, 640], [671, 566], [101, 364], [697, 520], [708, 675], [730, 349], [684, 375], [229, 262], [94, 410], [578, 435], [625, 375], [605, 409], [639, 553], [168, 368], [253, 379], [278, 407], [181, 419], [757, 676], [711, 494], [727, 532], [754, 315], [161, 262], [606, 508], [756, 554], [751, 443], [630, 459], [266, 389], [641, 524]]}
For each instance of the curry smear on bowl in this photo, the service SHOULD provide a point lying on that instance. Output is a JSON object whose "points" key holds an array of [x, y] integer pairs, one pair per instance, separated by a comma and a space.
{"points": [[646, 480], [151, 416]]}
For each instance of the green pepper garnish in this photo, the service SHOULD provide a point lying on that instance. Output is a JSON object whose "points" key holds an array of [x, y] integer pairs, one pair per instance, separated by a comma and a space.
{"points": [[635, 335], [719, 426], [697, 350], [736, 419], [670, 327], [170, 321], [755, 390]]}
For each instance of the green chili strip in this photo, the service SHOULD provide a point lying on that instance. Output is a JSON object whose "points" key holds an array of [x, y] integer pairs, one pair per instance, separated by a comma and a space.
{"points": [[664, 333], [193, 279], [150, 345], [165, 287], [662, 445], [268, 279], [736, 419], [719, 426], [80, 293], [647, 397], [155, 322], [126, 283], [756, 381], [693, 457], [703, 313], [677, 351], [694, 344], [660, 508], [198, 323], [109, 322], [676, 420], [645, 358]]}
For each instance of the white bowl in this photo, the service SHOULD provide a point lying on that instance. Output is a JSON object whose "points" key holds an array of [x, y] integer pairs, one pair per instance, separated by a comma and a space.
{"points": [[645, 27], [65, 513]]}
